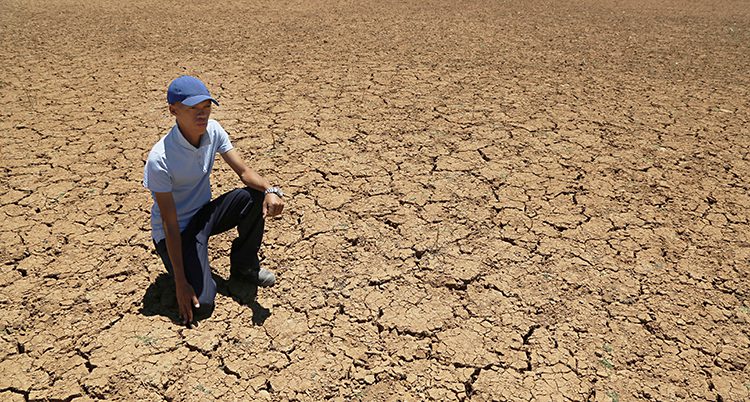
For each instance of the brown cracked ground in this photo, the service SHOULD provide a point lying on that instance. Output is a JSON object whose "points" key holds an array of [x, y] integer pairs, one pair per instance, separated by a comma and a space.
{"points": [[489, 200]]}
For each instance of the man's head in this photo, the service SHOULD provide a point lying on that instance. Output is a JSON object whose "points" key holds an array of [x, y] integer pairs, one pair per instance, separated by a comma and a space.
{"points": [[189, 91], [190, 103]]}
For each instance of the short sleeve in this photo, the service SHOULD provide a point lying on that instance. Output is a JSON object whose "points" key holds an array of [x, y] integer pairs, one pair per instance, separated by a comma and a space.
{"points": [[156, 176], [223, 144]]}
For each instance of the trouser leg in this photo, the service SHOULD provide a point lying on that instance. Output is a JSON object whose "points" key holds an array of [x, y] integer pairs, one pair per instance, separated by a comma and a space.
{"points": [[244, 256], [241, 208], [195, 265]]}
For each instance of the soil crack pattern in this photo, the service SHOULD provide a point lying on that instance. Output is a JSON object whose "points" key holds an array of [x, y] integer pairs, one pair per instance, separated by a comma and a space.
{"points": [[486, 201]]}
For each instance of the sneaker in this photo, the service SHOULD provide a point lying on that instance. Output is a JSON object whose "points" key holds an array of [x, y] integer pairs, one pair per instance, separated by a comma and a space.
{"points": [[266, 278], [263, 277]]}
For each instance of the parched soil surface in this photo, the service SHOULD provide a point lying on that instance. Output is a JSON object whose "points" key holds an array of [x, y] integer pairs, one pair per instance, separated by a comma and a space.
{"points": [[488, 200]]}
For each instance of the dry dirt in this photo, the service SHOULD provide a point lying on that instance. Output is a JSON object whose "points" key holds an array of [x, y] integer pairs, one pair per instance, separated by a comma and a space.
{"points": [[489, 200]]}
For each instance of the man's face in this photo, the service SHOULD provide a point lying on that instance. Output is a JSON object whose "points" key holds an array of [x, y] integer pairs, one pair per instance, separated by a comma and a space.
{"points": [[192, 119]]}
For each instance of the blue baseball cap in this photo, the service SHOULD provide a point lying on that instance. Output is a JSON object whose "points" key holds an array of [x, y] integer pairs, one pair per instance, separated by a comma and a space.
{"points": [[189, 91]]}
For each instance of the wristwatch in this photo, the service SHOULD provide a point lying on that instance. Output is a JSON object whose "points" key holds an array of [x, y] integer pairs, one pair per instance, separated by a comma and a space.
{"points": [[275, 190]]}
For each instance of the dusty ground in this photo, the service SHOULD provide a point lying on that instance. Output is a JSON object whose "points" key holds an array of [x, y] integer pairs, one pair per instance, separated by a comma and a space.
{"points": [[511, 200]]}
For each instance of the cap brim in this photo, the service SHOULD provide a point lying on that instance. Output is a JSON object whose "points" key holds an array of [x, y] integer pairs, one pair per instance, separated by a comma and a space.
{"points": [[194, 100]]}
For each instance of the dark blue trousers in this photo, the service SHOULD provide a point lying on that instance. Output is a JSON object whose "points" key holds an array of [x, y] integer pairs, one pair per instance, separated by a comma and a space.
{"points": [[240, 208]]}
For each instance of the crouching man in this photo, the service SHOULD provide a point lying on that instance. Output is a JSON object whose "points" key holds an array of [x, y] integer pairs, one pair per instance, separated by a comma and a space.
{"points": [[183, 216]]}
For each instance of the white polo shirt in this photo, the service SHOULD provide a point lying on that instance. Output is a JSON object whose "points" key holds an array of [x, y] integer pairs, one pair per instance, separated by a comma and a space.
{"points": [[175, 166]]}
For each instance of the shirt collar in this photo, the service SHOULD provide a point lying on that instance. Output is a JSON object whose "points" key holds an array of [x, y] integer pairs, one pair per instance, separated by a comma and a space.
{"points": [[183, 142]]}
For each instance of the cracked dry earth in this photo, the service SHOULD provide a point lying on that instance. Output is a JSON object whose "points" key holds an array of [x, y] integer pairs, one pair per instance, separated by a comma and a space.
{"points": [[488, 200]]}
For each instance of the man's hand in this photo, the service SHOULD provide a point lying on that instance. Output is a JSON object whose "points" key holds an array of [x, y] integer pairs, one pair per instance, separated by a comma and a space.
{"points": [[272, 205], [186, 300]]}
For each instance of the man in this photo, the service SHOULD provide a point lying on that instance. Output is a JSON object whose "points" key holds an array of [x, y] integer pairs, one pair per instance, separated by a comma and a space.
{"points": [[183, 216]]}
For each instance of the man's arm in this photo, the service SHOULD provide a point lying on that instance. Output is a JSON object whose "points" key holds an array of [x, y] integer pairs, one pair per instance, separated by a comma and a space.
{"points": [[272, 204], [186, 298]]}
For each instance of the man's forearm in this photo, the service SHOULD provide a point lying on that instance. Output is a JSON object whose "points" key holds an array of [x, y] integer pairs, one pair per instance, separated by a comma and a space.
{"points": [[253, 180], [174, 249]]}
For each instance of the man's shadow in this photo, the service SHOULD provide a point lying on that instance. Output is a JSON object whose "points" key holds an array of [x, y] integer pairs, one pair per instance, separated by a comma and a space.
{"points": [[160, 299]]}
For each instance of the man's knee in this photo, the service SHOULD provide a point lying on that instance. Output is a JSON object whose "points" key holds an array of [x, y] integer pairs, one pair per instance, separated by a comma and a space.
{"points": [[245, 195], [251, 199]]}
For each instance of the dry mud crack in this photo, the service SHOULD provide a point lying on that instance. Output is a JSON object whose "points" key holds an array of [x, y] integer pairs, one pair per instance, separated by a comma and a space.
{"points": [[511, 201]]}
